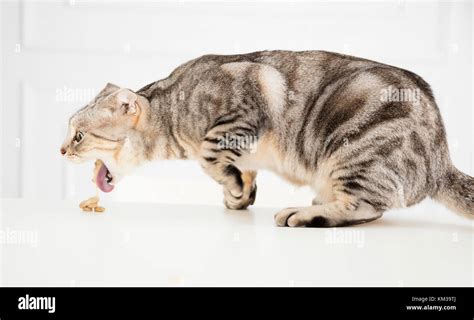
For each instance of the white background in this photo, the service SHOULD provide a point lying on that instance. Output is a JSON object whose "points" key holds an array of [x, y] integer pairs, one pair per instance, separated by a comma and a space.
{"points": [[56, 55]]}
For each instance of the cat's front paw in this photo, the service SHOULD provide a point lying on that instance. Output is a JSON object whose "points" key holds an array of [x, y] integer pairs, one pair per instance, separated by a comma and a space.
{"points": [[240, 199]]}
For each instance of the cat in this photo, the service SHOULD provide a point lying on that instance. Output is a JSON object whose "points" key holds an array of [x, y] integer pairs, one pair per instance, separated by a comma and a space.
{"points": [[366, 136]]}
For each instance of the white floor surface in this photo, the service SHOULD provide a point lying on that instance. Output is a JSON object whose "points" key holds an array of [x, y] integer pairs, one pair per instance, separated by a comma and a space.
{"points": [[55, 244]]}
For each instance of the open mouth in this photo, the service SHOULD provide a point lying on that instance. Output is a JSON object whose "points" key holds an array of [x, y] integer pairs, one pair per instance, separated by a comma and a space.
{"points": [[104, 179]]}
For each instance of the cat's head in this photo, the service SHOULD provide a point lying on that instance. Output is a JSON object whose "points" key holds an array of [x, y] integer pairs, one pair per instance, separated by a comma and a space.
{"points": [[105, 129]]}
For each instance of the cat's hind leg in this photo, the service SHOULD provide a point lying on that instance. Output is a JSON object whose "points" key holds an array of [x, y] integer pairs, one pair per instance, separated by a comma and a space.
{"points": [[317, 200], [334, 214], [348, 203]]}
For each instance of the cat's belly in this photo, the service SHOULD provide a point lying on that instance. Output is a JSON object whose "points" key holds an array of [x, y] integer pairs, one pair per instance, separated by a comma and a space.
{"points": [[268, 156]]}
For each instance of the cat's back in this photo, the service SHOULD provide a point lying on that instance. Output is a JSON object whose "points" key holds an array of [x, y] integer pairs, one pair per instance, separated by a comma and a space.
{"points": [[295, 66], [304, 72]]}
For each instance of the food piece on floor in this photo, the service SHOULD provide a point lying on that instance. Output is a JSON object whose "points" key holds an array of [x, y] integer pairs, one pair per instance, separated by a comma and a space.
{"points": [[92, 204]]}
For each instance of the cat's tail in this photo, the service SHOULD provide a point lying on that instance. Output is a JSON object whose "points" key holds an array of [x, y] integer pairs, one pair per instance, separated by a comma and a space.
{"points": [[457, 192]]}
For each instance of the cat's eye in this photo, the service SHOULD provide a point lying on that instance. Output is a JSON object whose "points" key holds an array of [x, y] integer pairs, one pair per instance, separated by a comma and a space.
{"points": [[79, 136]]}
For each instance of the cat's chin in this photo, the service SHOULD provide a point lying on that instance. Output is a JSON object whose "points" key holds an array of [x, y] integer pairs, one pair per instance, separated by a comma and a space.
{"points": [[76, 159]]}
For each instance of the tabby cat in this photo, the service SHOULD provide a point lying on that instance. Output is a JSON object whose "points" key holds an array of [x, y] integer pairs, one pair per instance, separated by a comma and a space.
{"points": [[366, 136]]}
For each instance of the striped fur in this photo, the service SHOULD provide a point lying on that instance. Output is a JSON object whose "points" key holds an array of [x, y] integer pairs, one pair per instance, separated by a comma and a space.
{"points": [[315, 118]]}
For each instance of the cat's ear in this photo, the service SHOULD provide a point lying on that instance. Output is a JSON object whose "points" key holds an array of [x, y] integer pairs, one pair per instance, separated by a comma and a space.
{"points": [[127, 100], [109, 88]]}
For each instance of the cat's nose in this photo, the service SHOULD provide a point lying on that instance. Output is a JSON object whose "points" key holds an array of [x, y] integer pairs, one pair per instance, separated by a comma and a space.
{"points": [[63, 151]]}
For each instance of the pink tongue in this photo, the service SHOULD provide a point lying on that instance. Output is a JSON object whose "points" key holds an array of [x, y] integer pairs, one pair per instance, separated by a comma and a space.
{"points": [[100, 180]]}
